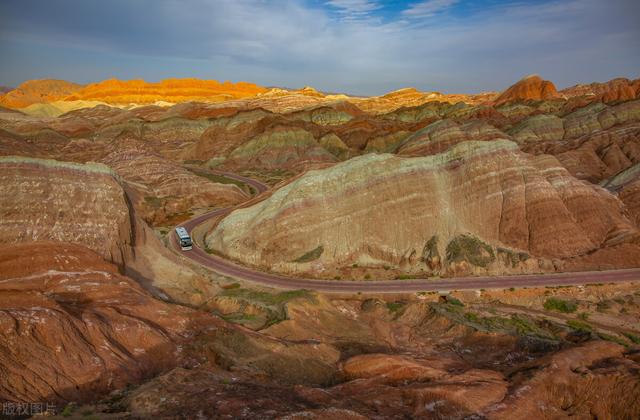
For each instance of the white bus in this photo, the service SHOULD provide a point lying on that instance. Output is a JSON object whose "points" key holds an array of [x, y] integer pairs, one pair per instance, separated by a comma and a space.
{"points": [[184, 239]]}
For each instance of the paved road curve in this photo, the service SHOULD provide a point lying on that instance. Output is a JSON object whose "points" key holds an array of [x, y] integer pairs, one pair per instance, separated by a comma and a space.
{"points": [[225, 267]]}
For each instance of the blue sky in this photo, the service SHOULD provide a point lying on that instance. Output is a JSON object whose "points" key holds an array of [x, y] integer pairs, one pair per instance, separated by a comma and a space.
{"points": [[354, 46]]}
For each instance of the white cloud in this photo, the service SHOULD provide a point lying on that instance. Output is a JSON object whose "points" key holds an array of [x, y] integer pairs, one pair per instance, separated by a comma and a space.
{"points": [[289, 43], [428, 8], [353, 10]]}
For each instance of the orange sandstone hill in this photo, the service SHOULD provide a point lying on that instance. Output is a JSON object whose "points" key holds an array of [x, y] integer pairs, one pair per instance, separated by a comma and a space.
{"points": [[531, 87], [38, 91], [171, 90]]}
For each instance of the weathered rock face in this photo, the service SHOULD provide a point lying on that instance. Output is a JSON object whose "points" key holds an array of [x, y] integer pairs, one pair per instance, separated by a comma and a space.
{"points": [[165, 188], [411, 97], [169, 90], [594, 380], [626, 184], [458, 211], [277, 148], [50, 200], [38, 91], [441, 135], [72, 328], [87, 205], [614, 90], [531, 87]]}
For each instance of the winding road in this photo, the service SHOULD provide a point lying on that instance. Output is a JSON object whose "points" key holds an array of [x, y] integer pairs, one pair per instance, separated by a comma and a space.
{"points": [[231, 269]]}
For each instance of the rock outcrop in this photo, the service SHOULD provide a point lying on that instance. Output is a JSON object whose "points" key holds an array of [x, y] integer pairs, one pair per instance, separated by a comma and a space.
{"points": [[479, 207], [66, 202], [277, 148], [38, 91], [615, 90], [87, 205], [530, 88], [170, 90], [72, 328], [166, 189], [443, 134]]}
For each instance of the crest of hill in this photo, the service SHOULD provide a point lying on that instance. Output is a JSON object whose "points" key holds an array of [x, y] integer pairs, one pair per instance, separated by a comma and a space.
{"points": [[115, 91], [619, 89], [532, 87], [38, 91]]}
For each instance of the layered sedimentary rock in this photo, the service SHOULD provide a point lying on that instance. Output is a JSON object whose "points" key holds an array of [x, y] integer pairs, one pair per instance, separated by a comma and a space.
{"points": [[72, 328], [51, 200], [38, 91], [620, 89], [443, 134], [481, 206], [170, 90], [166, 188], [411, 97], [530, 88], [87, 205], [598, 141], [279, 147], [626, 184]]}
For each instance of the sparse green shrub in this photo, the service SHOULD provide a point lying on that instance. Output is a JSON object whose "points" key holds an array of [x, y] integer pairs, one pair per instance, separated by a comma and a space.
{"points": [[555, 304], [395, 307], [471, 316], [454, 301], [579, 325], [471, 249], [312, 255], [632, 337], [154, 202], [367, 276], [405, 277], [513, 257], [267, 298], [613, 339], [68, 410], [430, 249], [583, 316]]}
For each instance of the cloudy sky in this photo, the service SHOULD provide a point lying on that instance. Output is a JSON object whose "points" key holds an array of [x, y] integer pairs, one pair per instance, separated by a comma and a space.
{"points": [[353, 46]]}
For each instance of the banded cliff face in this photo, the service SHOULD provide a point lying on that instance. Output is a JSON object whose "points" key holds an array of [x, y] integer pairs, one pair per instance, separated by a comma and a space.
{"points": [[170, 90], [65, 202], [479, 207]]}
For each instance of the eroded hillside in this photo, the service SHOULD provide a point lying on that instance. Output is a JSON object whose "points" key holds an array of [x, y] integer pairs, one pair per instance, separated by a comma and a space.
{"points": [[101, 315]]}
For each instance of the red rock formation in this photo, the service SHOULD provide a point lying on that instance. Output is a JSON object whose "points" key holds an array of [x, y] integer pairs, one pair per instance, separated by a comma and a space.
{"points": [[72, 328], [441, 135], [614, 90], [38, 91], [170, 90], [530, 88], [469, 202], [50, 200], [594, 380]]}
